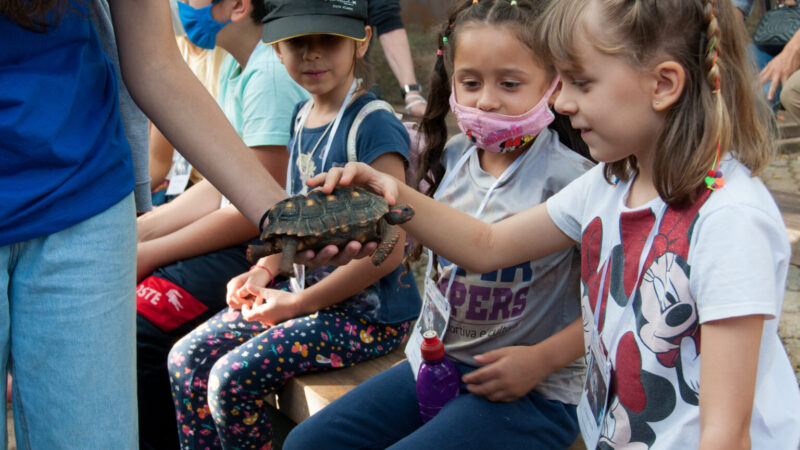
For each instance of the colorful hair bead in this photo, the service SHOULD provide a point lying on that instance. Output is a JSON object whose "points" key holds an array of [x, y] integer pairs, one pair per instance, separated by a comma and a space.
{"points": [[439, 52], [513, 2]]}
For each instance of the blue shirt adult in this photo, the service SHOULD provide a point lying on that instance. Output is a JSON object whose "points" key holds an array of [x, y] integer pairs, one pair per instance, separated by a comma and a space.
{"points": [[63, 152], [380, 132]]}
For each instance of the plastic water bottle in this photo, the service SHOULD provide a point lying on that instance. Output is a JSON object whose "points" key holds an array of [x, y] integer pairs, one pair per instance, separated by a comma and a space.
{"points": [[437, 381]]}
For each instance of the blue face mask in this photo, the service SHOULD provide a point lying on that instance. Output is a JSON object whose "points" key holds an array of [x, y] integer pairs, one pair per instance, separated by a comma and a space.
{"points": [[200, 27]]}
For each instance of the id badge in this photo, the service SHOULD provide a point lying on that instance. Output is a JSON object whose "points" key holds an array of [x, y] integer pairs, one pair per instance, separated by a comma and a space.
{"points": [[594, 398], [178, 175], [434, 316]]}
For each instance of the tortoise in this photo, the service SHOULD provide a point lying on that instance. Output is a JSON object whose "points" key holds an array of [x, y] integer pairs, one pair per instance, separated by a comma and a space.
{"points": [[316, 220]]}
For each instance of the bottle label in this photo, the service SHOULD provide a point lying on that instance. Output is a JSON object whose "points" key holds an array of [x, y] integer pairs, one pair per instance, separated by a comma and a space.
{"points": [[434, 316]]}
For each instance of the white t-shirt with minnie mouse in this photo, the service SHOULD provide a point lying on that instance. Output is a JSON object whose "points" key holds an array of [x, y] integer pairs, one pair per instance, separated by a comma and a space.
{"points": [[725, 256]]}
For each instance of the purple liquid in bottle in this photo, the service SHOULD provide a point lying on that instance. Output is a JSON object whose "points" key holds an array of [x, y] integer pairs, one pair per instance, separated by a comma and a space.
{"points": [[437, 381]]}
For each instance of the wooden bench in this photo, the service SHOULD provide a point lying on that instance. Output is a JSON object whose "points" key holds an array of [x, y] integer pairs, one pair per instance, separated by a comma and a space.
{"points": [[304, 395]]}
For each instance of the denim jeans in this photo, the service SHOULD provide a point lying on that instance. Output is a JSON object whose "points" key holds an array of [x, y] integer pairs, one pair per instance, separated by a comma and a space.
{"points": [[383, 413], [67, 308]]}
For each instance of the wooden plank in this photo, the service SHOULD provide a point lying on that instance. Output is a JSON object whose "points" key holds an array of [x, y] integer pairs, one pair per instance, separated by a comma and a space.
{"points": [[304, 395]]}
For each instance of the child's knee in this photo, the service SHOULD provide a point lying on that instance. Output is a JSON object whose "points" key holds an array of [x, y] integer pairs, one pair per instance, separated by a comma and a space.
{"points": [[177, 360]]}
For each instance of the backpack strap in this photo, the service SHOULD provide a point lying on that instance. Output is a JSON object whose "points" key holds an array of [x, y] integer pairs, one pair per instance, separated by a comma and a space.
{"points": [[365, 110]]}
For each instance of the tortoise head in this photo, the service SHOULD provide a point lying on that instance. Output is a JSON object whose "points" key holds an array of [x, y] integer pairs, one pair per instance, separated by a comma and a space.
{"points": [[399, 214]]}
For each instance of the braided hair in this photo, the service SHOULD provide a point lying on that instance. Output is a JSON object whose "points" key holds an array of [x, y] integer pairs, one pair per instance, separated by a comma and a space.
{"points": [[708, 40]]}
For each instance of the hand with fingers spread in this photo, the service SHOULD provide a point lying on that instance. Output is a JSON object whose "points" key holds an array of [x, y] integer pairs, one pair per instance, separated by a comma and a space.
{"points": [[782, 66], [359, 174], [508, 373]]}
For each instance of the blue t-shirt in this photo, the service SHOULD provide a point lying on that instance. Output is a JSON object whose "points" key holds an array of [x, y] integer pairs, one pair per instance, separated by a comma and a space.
{"points": [[63, 152], [380, 132]]}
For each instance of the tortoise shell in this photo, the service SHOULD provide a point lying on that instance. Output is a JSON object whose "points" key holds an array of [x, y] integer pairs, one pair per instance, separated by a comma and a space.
{"points": [[316, 220]]}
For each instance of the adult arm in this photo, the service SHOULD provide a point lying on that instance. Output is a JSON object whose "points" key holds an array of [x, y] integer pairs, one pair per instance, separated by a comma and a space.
{"points": [[160, 157], [398, 55], [384, 15], [169, 93], [730, 349]]}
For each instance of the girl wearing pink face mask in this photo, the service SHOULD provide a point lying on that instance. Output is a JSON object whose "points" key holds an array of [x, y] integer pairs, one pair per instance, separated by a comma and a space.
{"points": [[515, 334]]}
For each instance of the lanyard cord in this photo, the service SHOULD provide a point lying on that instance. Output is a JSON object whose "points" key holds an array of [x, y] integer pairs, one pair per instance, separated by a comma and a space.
{"points": [[449, 176], [296, 151]]}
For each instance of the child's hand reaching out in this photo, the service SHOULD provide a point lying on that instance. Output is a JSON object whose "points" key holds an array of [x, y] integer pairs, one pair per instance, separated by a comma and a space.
{"points": [[358, 173], [507, 374]]}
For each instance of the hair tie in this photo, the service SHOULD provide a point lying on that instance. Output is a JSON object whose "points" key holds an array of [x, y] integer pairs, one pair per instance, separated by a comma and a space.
{"points": [[271, 276], [714, 179]]}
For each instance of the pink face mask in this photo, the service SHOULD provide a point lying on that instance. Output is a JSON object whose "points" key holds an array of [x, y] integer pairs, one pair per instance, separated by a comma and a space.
{"points": [[499, 133]]}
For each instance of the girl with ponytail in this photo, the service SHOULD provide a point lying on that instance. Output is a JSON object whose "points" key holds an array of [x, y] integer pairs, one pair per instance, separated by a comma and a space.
{"points": [[514, 331], [684, 254]]}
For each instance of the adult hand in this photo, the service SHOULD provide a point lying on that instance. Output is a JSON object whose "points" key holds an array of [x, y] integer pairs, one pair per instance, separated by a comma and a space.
{"points": [[333, 256], [781, 67], [243, 289], [508, 373], [272, 306]]}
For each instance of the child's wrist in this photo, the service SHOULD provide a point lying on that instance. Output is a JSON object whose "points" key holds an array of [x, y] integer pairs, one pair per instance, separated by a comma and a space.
{"points": [[267, 269], [300, 304]]}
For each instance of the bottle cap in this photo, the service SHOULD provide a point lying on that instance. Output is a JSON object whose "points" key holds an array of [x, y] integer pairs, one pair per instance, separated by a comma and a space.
{"points": [[431, 348]]}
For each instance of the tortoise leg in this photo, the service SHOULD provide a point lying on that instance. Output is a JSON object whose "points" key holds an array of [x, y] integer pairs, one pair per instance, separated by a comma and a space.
{"points": [[389, 238], [287, 258], [256, 252]]}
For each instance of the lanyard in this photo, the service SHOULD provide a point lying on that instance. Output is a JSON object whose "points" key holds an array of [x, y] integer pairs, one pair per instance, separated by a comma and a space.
{"points": [[629, 306], [298, 281], [296, 151], [448, 178]]}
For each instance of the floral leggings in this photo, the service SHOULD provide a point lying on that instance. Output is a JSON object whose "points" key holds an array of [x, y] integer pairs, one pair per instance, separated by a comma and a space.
{"points": [[221, 371]]}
